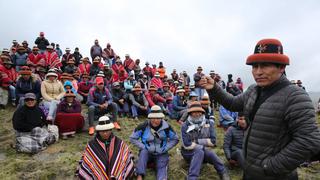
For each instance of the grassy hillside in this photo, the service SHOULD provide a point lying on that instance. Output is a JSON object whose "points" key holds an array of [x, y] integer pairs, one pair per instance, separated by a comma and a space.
{"points": [[60, 160]]}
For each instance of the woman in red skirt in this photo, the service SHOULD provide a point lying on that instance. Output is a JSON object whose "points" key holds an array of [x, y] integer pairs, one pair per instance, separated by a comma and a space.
{"points": [[69, 118]]}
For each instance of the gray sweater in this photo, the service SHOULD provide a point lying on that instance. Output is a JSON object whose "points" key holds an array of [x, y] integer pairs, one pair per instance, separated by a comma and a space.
{"points": [[281, 135]]}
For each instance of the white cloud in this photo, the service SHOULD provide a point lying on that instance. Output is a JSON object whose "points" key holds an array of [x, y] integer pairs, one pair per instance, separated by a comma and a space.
{"points": [[218, 35]]}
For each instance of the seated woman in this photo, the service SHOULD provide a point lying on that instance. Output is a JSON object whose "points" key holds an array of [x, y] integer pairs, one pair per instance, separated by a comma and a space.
{"points": [[198, 134], [84, 87], [29, 121], [27, 83], [69, 118], [157, 138], [106, 156], [68, 85], [52, 91]]}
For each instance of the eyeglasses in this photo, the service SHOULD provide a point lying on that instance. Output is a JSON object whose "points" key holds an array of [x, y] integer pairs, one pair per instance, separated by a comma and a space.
{"points": [[29, 99]]}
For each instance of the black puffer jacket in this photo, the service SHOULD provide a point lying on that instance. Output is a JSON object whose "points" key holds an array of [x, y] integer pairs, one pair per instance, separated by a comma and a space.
{"points": [[282, 134]]}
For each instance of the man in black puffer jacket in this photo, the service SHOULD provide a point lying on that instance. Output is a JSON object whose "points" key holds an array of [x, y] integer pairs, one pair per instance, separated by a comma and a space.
{"points": [[280, 118]]}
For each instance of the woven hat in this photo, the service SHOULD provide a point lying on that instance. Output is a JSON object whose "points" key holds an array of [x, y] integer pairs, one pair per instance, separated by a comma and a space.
{"points": [[268, 51], [66, 76], [195, 107], [69, 93], [180, 89], [21, 48], [85, 75], [52, 74], [96, 59], [35, 48], [5, 50], [212, 72], [100, 74], [152, 88], [104, 124], [193, 94], [166, 84], [137, 87], [49, 47], [199, 68], [116, 84], [68, 49], [205, 100], [118, 60], [25, 70], [7, 61], [156, 113], [71, 61], [157, 74], [85, 59], [30, 96], [299, 82]]}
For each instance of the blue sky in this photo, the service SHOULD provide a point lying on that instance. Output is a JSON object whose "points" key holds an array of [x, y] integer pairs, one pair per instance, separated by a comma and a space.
{"points": [[217, 35]]}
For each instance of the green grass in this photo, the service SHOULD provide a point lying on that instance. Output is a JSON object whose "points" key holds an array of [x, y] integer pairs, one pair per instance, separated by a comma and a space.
{"points": [[59, 161]]}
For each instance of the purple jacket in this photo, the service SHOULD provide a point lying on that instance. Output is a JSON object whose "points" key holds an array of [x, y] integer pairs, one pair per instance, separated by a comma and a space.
{"points": [[64, 107]]}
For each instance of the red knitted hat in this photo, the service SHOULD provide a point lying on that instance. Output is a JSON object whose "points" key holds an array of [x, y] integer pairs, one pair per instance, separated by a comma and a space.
{"points": [[268, 51]]}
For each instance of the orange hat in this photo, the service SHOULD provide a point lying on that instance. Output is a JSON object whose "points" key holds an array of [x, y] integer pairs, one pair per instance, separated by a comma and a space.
{"points": [[152, 88], [195, 107], [268, 51]]}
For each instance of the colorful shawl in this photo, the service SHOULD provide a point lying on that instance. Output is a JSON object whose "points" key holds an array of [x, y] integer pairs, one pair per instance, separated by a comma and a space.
{"points": [[52, 60], [113, 161]]}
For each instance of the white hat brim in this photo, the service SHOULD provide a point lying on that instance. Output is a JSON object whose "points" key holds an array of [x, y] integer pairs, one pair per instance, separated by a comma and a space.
{"points": [[156, 115], [104, 127]]}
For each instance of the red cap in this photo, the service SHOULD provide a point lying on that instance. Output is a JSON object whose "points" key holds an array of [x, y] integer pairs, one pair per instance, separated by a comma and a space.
{"points": [[99, 80]]}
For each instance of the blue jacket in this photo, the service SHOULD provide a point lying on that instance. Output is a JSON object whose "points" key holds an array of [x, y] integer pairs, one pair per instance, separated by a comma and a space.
{"points": [[30, 86], [97, 98], [156, 142], [128, 85], [178, 103], [20, 59], [206, 136], [227, 117]]}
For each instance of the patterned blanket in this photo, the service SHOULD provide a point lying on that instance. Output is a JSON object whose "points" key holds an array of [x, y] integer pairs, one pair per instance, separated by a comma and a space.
{"points": [[99, 161], [36, 140]]}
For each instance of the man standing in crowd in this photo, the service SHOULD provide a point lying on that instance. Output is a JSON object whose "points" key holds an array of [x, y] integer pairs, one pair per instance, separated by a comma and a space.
{"points": [[280, 118], [42, 42], [96, 50]]}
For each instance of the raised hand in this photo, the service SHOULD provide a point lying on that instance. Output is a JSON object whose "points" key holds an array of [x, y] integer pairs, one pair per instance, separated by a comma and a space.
{"points": [[207, 82]]}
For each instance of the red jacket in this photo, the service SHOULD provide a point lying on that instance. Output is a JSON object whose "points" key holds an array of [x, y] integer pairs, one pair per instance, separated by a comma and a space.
{"points": [[129, 64], [84, 87], [52, 60], [154, 99], [157, 82], [11, 73], [34, 59], [84, 68]]}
